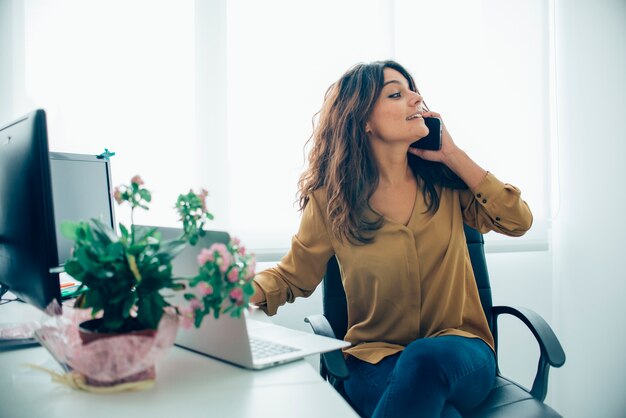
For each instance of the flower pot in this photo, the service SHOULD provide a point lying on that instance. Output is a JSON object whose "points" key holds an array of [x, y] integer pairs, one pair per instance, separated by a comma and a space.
{"points": [[114, 353], [89, 331]]}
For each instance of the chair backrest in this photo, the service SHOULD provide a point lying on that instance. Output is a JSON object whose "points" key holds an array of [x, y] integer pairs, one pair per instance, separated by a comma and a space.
{"points": [[334, 297]]}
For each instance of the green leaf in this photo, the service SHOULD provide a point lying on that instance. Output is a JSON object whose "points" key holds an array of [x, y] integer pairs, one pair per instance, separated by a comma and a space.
{"points": [[170, 250], [69, 230], [104, 230], [145, 195], [177, 286], [74, 269], [93, 299], [137, 249], [198, 318], [143, 233], [124, 231], [82, 256], [150, 310], [128, 304], [248, 289]]}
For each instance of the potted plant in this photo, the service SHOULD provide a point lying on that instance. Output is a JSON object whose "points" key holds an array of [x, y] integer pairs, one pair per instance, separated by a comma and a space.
{"points": [[123, 277]]}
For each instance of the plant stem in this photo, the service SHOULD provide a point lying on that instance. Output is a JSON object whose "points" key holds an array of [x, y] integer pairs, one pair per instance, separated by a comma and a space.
{"points": [[132, 225]]}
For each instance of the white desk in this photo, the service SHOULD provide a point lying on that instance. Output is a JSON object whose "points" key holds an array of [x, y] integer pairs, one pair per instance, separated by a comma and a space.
{"points": [[187, 385]]}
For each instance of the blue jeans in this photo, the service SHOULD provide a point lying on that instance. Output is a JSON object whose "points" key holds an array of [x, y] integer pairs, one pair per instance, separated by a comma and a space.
{"points": [[432, 377]]}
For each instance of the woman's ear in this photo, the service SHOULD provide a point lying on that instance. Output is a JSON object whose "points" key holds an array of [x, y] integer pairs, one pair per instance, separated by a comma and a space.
{"points": [[368, 130]]}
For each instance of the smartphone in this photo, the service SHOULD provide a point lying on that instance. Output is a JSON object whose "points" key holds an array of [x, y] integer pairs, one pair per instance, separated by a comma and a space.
{"points": [[432, 141]]}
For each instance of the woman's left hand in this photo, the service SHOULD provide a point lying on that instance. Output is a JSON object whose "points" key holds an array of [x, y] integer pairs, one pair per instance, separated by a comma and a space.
{"points": [[448, 147]]}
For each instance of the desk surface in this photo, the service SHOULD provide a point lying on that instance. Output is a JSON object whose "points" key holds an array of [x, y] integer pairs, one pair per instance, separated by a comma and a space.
{"points": [[187, 385]]}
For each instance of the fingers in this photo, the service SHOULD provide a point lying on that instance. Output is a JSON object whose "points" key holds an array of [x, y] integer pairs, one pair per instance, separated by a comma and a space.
{"points": [[416, 151], [430, 114], [425, 154]]}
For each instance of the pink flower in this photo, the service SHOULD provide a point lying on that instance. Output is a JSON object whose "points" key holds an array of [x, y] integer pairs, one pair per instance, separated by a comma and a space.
{"points": [[202, 196], [250, 269], [205, 256], [224, 260], [236, 295], [219, 247], [194, 305], [233, 275], [242, 250], [117, 195], [235, 241], [188, 314], [137, 180], [186, 322], [205, 288]]}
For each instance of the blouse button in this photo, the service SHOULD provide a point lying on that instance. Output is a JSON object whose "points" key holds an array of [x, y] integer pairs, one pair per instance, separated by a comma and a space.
{"points": [[484, 200], [497, 219], [479, 195]]}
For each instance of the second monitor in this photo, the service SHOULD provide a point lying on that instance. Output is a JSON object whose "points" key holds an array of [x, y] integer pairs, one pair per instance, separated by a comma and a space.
{"points": [[82, 190]]}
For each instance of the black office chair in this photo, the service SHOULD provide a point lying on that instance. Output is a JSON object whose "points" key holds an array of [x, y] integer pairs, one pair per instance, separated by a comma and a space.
{"points": [[507, 399]]}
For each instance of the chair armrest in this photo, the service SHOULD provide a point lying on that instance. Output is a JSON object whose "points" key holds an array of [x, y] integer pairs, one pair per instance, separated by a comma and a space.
{"points": [[333, 364], [548, 342], [552, 353]]}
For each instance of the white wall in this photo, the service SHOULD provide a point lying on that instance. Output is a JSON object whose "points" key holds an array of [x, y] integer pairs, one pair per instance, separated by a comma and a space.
{"points": [[11, 58], [6, 50], [589, 231], [521, 279]]}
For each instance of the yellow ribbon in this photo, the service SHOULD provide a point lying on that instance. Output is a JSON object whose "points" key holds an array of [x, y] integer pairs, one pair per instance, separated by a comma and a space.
{"points": [[76, 380]]}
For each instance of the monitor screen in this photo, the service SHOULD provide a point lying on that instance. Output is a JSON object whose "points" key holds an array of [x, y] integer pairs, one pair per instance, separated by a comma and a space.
{"points": [[27, 228], [81, 187]]}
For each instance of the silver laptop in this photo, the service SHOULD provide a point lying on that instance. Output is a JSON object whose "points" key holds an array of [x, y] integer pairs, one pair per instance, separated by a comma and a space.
{"points": [[247, 342]]}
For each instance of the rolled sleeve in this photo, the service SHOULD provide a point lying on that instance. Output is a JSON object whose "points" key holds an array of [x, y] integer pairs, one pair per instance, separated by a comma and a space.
{"points": [[274, 289], [496, 206]]}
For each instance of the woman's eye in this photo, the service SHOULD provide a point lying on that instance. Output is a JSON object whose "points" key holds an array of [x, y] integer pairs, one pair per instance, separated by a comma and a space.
{"points": [[394, 95]]}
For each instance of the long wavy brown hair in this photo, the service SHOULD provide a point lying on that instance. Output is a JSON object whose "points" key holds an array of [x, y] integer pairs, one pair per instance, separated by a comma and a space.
{"points": [[341, 160]]}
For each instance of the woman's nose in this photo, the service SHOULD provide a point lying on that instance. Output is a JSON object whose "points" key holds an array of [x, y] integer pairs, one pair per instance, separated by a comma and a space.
{"points": [[417, 100]]}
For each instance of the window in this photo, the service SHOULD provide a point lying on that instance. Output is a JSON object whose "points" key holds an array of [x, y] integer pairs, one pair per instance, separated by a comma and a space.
{"points": [[484, 64], [221, 94]]}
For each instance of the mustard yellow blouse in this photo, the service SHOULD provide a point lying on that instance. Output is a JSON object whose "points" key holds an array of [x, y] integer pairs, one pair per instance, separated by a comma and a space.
{"points": [[413, 281]]}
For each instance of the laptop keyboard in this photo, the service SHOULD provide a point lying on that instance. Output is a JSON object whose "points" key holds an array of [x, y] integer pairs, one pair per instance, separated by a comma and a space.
{"points": [[263, 348]]}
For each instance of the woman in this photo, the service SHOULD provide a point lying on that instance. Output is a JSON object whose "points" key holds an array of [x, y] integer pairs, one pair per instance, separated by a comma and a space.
{"points": [[393, 216]]}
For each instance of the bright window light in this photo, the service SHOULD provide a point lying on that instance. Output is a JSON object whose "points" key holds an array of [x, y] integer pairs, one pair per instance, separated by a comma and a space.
{"points": [[221, 94]]}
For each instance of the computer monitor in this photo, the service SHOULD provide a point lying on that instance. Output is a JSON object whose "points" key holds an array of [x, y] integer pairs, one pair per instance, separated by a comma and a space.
{"points": [[28, 249], [81, 190]]}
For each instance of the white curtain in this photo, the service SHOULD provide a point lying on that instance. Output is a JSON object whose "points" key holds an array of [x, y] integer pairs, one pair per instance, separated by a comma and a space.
{"points": [[221, 94]]}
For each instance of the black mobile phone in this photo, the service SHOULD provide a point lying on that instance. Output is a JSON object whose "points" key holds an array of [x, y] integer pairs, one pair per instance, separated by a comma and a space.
{"points": [[432, 141]]}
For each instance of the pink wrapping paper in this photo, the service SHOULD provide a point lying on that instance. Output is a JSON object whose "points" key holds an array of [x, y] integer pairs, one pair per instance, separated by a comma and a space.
{"points": [[108, 361]]}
